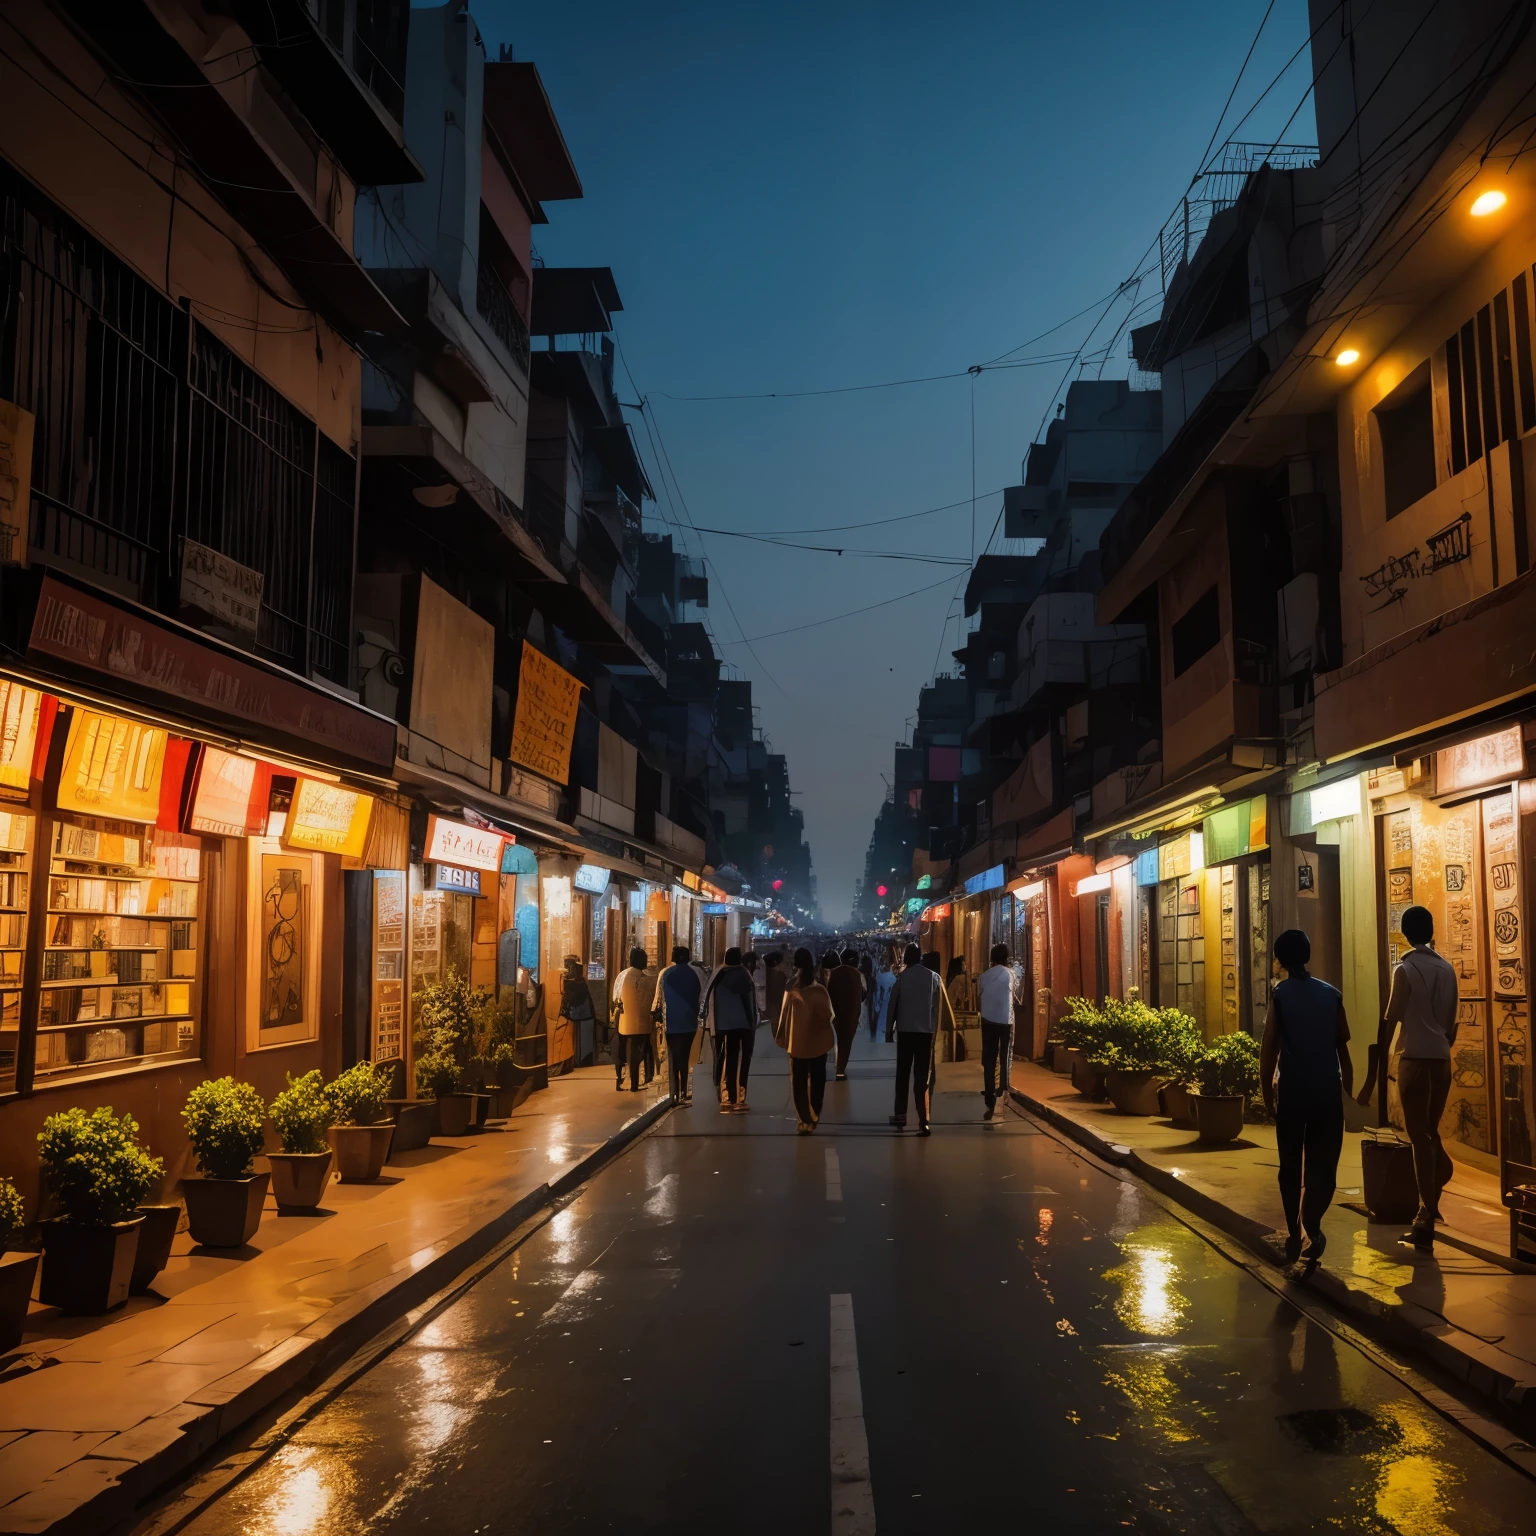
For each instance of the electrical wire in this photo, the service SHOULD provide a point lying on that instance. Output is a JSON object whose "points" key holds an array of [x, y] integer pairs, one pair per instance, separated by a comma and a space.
{"points": [[827, 549], [795, 629]]}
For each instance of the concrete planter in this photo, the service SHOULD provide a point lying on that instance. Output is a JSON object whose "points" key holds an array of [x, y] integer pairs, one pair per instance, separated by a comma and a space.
{"points": [[1218, 1116], [155, 1239], [1060, 1058], [86, 1270], [482, 1109], [299, 1179], [17, 1272], [1174, 1098], [415, 1121], [454, 1113], [360, 1150], [224, 1213], [1133, 1093], [1089, 1081]]}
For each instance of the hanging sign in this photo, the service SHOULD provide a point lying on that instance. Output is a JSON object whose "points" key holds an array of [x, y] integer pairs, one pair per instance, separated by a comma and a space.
{"points": [[456, 842], [112, 767], [229, 795], [592, 878], [545, 721], [15, 481], [20, 711], [1491, 759], [452, 877], [328, 818], [220, 587]]}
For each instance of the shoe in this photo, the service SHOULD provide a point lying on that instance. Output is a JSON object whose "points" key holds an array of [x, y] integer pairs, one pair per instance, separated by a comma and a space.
{"points": [[726, 1107], [688, 1097], [1315, 1248], [840, 1077], [1422, 1238], [619, 1086], [899, 1121], [803, 1128], [740, 1106], [988, 1112], [924, 1130], [1292, 1248]]}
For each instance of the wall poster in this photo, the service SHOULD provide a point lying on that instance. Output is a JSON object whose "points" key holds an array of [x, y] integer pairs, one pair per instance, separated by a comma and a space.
{"points": [[388, 965]]}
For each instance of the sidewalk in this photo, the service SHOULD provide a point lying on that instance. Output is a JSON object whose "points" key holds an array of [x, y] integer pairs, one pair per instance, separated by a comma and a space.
{"points": [[1473, 1316], [96, 1413]]}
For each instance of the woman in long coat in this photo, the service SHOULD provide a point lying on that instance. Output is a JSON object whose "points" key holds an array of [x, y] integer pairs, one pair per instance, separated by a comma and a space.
{"points": [[804, 1030]]}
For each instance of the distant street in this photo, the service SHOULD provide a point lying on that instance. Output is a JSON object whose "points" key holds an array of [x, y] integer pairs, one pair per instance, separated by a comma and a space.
{"points": [[1013, 1334]]}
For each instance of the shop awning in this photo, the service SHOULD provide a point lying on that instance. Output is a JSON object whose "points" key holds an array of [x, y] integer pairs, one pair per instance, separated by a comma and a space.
{"points": [[1474, 658], [1048, 842]]}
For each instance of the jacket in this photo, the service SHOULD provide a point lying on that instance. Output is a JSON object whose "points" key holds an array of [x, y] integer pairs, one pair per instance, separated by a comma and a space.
{"points": [[845, 986], [677, 999], [915, 1002], [730, 1001], [805, 1024], [635, 993]]}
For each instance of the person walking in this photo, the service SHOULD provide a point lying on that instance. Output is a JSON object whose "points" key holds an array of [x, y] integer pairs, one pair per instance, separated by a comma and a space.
{"points": [[957, 985], [804, 1029], [845, 986], [677, 999], [913, 1018], [577, 1010], [634, 991], [996, 993], [730, 1010], [1306, 1045], [1421, 1009]]}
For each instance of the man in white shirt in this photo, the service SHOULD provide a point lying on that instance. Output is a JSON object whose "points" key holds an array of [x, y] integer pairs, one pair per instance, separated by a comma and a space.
{"points": [[1422, 1010], [997, 991]]}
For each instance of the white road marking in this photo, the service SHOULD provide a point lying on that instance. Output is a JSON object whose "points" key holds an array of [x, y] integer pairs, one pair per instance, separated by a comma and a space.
{"points": [[834, 1175], [853, 1495]]}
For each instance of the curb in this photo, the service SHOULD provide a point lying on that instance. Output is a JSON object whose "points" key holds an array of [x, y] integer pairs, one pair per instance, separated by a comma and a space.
{"points": [[1493, 1373], [177, 1440]]}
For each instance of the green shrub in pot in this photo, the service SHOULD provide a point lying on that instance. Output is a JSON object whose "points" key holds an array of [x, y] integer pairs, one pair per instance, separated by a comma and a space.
{"points": [[437, 1075], [302, 1113], [363, 1128], [359, 1096], [1229, 1067], [225, 1122], [95, 1173], [17, 1270], [13, 1212], [1081, 1025]]}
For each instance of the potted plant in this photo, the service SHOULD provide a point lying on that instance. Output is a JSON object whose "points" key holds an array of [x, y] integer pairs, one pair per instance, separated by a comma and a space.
{"points": [[225, 1121], [1228, 1074], [1082, 1028], [1131, 1051], [361, 1133], [1184, 1046], [449, 1013], [17, 1270], [95, 1173], [301, 1115]]}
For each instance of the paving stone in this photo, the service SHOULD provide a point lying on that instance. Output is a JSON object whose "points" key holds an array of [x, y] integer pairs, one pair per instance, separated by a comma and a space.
{"points": [[63, 1495], [147, 1440], [27, 1460]]}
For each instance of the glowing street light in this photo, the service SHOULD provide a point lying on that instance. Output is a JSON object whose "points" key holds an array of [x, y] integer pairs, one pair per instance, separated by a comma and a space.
{"points": [[1347, 356], [1486, 203]]}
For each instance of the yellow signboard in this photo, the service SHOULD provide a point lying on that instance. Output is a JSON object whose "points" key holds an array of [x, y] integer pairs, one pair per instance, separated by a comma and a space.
{"points": [[20, 709], [15, 481], [545, 722], [328, 818], [112, 767]]}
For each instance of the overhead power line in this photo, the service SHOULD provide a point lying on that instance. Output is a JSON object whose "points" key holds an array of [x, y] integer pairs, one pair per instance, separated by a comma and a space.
{"points": [[773, 634]]}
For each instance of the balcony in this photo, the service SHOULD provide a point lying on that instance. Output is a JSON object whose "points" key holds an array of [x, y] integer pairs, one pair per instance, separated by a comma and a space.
{"points": [[498, 310]]}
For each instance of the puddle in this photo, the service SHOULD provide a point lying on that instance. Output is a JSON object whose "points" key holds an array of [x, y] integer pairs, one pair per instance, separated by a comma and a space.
{"points": [[1150, 1300], [1340, 1431]]}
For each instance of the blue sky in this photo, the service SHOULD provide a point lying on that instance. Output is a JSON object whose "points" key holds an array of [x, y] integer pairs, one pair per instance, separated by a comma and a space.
{"points": [[808, 196]]}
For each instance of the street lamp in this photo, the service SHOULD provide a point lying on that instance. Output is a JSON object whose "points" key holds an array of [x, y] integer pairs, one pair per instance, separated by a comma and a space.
{"points": [[1486, 203]]}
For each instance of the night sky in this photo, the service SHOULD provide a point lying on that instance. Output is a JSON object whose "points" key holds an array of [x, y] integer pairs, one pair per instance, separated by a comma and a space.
{"points": [[809, 196]]}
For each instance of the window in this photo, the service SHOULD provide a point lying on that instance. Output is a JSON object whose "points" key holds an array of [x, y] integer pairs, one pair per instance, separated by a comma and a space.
{"points": [[1406, 426], [1197, 632]]}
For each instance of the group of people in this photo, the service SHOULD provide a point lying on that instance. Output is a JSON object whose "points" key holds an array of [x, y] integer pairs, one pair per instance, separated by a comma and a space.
{"points": [[1305, 1070], [816, 1010]]}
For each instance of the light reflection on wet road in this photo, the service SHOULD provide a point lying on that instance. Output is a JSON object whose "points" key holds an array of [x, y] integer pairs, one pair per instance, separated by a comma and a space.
{"points": [[1038, 1342]]}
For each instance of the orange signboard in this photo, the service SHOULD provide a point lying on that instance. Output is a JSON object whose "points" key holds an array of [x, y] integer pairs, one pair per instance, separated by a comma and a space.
{"points": [[328, 818], [112, 767], [545, 721], [229, 797]]}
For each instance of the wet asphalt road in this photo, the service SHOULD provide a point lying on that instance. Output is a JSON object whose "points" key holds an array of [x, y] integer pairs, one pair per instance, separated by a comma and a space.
{"points": [[1036, 1342]]}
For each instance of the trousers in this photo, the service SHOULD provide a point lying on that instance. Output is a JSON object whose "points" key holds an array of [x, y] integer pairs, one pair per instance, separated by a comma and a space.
{"points": [[1424, 1084], [733, 1058], [996, 1048], [630, 1048], [808, 1075], [678, 1046], [1309, 1142], [914, 1056], [845, 1030]]}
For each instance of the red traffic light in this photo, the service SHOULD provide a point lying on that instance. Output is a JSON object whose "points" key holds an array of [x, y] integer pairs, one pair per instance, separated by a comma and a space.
{"points": [[778, 885], [880, 890]]}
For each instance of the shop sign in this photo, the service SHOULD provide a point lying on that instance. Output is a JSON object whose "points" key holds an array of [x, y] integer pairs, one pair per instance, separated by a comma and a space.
{"points": [[1494, 759], [915, 904], [456, 842], [592, 878], [388, 964], [1092, 885], [328, 818], [937, 914], [450, 877], [21, 710], [1184, 855], [1236, 830], [92, 633], [692, 881], [1334, 802], [15, 481], [220, 587], [557, 896], [716, 909], [229, 795], [987, 880], [1147, 867], [112, 767], [924, 882], [544, 723]]}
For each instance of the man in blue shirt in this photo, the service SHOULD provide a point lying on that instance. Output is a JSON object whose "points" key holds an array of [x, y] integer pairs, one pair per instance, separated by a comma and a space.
{"points": [[1307, 1038], [677, 1001]]}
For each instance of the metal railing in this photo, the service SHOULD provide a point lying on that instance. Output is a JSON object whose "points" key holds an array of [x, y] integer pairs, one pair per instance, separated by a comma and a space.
{"points": [[498, 310]]}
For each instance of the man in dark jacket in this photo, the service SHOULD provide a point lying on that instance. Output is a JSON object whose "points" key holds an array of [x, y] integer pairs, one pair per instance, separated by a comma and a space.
{"points": [[730, 1011], [677, 1001], [845, 984]]}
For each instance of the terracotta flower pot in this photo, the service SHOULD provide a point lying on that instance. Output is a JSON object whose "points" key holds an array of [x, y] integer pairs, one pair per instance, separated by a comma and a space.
{"points": [[415, 1121], [155, 1239], [360, 1150], [454, 1113], [1174, 1098], [1218, 1116], [86, 1270], [299, 1179], [225, 1213], [1089, 1081], [1133, 1093], [17, 1272]]}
